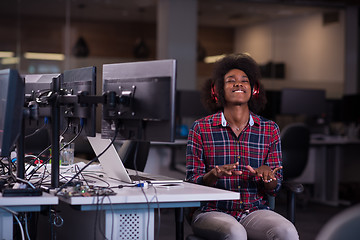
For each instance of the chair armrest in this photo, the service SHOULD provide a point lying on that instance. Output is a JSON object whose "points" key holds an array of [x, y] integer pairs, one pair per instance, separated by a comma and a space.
{"points": [[293, 187]]}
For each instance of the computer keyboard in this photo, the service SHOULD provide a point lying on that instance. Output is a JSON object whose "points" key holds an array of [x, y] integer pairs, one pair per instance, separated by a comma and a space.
{"points": [[139, 178]]}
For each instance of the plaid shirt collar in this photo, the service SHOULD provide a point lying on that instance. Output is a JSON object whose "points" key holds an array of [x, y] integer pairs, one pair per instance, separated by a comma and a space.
{"points": [[219, 119]]}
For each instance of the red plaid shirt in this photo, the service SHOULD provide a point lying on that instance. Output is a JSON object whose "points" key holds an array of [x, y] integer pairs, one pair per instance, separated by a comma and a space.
{"points": [[212, 142]]}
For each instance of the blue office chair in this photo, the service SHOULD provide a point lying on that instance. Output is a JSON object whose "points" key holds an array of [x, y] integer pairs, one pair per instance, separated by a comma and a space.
{"points": [[344, 225]]}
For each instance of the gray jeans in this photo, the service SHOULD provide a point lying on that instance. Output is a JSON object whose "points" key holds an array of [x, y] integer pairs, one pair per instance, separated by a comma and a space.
{"points": [[260, 224]]}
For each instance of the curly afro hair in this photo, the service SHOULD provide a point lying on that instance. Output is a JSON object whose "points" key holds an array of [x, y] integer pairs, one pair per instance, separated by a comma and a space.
{"points": [[213, 90]]}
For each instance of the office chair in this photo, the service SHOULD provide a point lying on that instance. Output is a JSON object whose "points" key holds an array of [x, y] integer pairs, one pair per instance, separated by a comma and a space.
{"points": [[134, 154], [295, 142], [344, 225]]}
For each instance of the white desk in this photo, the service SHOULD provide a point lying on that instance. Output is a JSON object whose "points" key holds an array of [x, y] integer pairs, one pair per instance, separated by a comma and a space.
{"points": [[21, 204], [329, 152], [127, 214]]}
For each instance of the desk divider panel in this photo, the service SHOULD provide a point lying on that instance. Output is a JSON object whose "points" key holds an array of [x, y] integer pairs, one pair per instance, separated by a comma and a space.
{"points": [[130, 224]]}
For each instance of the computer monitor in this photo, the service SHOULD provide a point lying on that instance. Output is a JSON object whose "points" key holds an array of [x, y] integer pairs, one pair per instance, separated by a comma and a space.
{"points": [[37, 88], [11, 109], [308, 102], [273, 103], [350, 112], [140, 100], [189, 107], [38, 84], [189, 104], [79, 81]]}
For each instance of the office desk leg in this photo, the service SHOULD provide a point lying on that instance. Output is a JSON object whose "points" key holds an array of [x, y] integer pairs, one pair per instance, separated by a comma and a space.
{"points": [[179, 220], [333, 170], [6, 226], [320, 176], [327, 175]]}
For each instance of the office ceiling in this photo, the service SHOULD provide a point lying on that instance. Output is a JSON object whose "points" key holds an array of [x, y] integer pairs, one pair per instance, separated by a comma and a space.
{"points": [[226, 13]]}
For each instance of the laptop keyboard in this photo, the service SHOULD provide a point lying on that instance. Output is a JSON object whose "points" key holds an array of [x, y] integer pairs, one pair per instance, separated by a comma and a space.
{"points": [[139, 178]]}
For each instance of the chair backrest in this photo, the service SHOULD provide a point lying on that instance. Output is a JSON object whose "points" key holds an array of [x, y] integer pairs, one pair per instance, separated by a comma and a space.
{"points": [[344, 225], [295, 142], [134, 154]]}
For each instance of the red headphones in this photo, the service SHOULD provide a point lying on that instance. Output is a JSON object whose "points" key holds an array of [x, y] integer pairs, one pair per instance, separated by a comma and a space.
{"points": [[256, 90], [214, 93]]}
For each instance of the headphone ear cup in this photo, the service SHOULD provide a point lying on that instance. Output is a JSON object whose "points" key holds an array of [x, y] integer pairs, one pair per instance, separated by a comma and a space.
{"points": [[214, 93], [256, 90]]}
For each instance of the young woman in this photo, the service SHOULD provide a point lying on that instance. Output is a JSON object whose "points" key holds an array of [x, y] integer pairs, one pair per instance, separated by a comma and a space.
{"points": [[237, 150]]}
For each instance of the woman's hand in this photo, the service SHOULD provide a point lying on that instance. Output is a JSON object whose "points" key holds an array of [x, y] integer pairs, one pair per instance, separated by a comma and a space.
{"points": [[226, 170], [266, 174], [211, 177]]}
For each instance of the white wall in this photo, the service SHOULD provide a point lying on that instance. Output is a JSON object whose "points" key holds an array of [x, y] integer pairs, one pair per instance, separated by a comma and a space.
{"points": [[314, 54]]}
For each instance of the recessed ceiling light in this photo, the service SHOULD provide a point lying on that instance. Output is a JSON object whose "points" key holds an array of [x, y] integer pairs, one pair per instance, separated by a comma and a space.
{"points": [[44, 56], [6, 54]]}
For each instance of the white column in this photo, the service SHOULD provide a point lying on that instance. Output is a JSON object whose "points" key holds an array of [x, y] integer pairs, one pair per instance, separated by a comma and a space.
{"points": [[177, 38]]}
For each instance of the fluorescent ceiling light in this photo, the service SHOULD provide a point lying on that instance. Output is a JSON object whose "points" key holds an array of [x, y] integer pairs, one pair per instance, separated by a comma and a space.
{"points": [[44, 56], [6, 54], [10, 61], [212, 59]]}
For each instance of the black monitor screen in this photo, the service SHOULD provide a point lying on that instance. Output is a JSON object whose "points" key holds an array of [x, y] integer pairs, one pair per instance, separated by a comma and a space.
{"points": [[189, 104], [80, 81], [37, 89], [38, 84], [144, 106], [11, 109], [350, 108], [272, 108], [309, 102]]}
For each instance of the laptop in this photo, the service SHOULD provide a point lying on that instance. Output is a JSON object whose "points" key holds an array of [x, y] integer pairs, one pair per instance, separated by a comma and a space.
{"points": [[114, 167]]}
